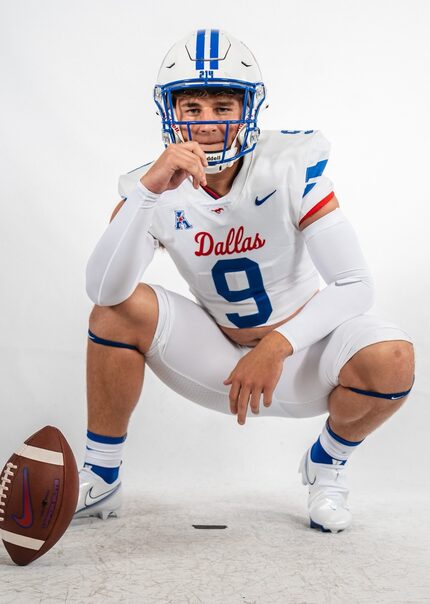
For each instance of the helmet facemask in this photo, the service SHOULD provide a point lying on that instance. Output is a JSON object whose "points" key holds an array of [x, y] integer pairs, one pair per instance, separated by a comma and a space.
{"points": [[247, 130], [234, 57]]}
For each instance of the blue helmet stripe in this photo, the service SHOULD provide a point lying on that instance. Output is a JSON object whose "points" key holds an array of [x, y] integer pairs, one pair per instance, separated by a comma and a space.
{"points": [[200, 49], [214, 48], [317, 170]]}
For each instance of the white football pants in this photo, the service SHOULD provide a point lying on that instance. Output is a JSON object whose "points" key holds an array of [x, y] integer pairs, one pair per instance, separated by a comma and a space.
{"points": [[192, 356]]}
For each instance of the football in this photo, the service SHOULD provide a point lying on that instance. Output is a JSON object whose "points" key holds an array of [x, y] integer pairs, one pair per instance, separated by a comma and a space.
{"points": [[38, 494]]}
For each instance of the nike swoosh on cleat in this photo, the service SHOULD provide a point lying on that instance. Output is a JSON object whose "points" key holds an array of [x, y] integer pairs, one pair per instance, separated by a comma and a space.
{"points": [[258, 202], [90, 500], [26, 519], [307, 473]]}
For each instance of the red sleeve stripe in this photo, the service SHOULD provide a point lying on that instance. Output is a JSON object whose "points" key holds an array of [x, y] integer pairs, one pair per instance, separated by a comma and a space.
{"points": [[319, 205]]}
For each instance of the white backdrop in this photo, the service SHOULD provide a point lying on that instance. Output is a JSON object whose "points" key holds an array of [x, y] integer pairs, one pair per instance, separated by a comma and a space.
{"points": [[77, 111]]}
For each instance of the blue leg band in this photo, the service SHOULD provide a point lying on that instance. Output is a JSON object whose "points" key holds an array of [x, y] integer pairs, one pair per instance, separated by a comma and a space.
{"points": [[343, 441], [392, 397], [104, 342]]}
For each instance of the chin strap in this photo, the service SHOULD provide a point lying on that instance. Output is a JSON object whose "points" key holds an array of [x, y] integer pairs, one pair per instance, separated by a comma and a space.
{"points": [[211, 156], [231, 152]]}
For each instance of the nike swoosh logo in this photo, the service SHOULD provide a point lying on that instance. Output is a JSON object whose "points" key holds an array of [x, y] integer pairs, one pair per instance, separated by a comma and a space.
{"points": [[258, 202], [90, 500], [307, 472], [26, 519]]}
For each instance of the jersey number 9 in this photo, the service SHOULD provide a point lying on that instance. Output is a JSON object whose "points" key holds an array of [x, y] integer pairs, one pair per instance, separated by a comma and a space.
{"points": [[255, 290]]}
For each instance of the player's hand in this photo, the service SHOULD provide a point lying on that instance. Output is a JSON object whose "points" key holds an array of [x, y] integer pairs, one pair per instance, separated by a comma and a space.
{"points": [[257, 373], [175, 164]]}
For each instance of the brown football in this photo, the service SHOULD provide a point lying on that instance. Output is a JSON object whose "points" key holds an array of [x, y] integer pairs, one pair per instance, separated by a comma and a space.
{"points": [[38, 494]]}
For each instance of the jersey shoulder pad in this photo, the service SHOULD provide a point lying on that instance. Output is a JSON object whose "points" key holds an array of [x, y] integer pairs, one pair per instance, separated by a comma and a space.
{"points": [[303, 145], [128, 182], [291, 153], [318, 148]]}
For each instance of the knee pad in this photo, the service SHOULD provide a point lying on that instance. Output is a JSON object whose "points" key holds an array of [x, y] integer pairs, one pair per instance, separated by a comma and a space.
{"points": [[104, 342]]}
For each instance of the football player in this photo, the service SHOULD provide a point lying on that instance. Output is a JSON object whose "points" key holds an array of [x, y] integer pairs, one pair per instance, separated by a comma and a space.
{"points": [[251, 221]]}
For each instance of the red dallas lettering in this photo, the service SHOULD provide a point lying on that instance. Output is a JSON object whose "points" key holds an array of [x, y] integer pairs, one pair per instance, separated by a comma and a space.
{"points": [[234, 243]]}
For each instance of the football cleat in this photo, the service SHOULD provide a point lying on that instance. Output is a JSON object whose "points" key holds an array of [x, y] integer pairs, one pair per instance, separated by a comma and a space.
{"points": [[328, 492], [97, 497]]}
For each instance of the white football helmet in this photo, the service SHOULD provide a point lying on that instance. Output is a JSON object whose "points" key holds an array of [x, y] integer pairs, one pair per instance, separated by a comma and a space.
{"points": [[211, 59]]}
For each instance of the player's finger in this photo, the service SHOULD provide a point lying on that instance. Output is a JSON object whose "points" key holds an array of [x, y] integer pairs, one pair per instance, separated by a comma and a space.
{"points": [[197, 150], [192, 164], [255, 401], [202, 155], [196, 154], [267, 397], [233, 396], [242, 404]]}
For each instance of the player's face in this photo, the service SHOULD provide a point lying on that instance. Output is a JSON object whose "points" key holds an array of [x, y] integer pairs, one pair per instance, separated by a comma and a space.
{"points": [[209, 108]]}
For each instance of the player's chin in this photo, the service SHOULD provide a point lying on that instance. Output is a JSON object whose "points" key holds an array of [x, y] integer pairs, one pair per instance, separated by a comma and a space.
{"points": [[217, 148]]}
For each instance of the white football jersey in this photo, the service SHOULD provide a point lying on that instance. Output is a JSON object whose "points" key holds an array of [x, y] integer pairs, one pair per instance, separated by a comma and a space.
{"points": [[242, 254]]}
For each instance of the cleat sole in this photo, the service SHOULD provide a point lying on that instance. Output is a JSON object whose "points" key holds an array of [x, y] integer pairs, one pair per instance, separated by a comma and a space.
{"points": [[322, 528]]}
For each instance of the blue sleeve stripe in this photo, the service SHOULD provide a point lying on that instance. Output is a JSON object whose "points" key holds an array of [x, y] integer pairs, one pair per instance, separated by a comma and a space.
{"points": [[317, 170], [308, 188], [200, 49], [214, 48]]}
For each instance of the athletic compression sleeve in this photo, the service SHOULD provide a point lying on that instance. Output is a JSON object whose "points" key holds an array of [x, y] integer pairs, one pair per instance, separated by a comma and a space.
{"points": [[335, 252], [124, 251]]}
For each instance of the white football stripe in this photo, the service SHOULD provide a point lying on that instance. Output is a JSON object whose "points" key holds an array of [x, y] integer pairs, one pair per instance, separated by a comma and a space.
{"points": [[43, 455], [207, 50], [20, 540]]}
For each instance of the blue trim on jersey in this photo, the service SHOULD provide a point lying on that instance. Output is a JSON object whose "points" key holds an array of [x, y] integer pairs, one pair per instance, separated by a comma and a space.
{"points": [[104, 342], [316, 170], [214, 48], [308, 188], [200, 49], [343, 441], [108, 440]]}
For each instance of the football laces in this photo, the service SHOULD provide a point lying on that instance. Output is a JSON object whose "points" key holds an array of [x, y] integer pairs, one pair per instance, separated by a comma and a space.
{"points": [[4, 481]]}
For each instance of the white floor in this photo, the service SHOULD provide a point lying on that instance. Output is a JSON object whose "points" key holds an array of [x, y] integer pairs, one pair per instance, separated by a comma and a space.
{"points": [[266, 555]]}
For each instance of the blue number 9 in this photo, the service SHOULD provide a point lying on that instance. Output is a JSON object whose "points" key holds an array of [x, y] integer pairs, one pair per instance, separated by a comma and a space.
{"points": [[255, 290]]}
